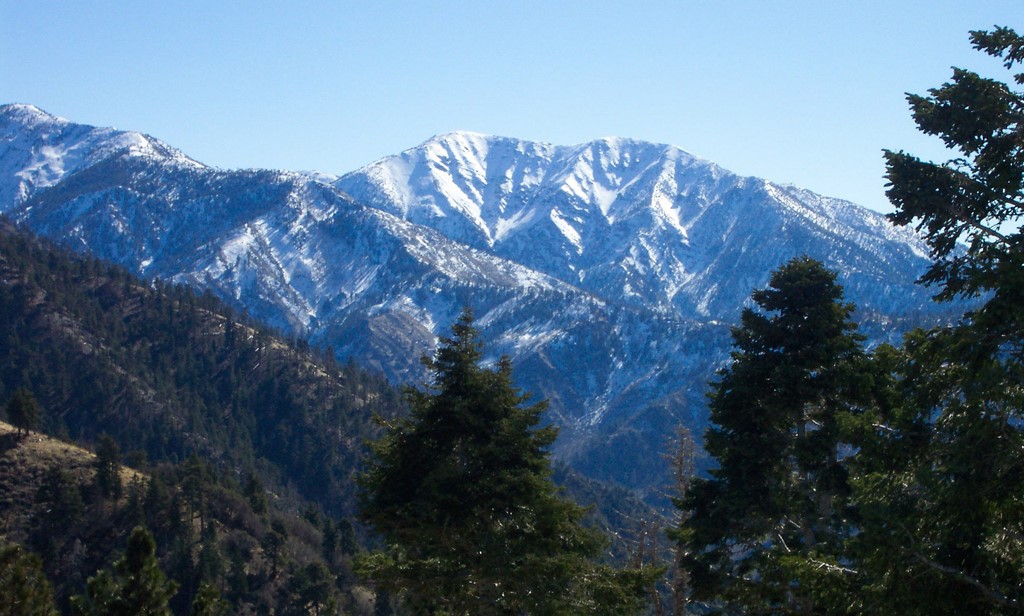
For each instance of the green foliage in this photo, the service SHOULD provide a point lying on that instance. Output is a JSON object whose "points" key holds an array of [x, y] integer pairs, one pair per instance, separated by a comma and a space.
{"points": [[60, 507], [23, 410], [136, 587], [171, 376], [940, 485], [24, 589], [976, 198], [937, 487], [461, 493], [74, 529], [168, 373], [255, 493], [310, 591], [209, 602], [776, 500], [201, 397], [926, 509], [108, 467], [273, 546]]}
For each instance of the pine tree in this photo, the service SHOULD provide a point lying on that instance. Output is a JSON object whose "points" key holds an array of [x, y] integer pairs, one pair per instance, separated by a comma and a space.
{"points": [[209, 602], [975, 200], [769, 519], [136, 587], [310, 591], [461, 492], [23, 411], [941, 494], [24, 589], [60, 508], [273, 544], [255, 494], [108, 467]]}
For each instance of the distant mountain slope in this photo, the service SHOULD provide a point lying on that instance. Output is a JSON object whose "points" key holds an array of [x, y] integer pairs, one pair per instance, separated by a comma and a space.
{"points": [[644, 223], [37, 150], [170, 374], [609, 272]]}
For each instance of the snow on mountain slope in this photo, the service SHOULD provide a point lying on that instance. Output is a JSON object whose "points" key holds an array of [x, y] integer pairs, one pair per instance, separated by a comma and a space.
{"points": [[608, 272], [37, 150], [649, 224]]}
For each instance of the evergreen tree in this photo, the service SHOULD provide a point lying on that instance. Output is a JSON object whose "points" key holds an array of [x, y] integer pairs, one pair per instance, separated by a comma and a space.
{"points": [[193, 490], [941, 495], [763, 532], [310, 592], [255, 494], [210, 567], [23, 411], [136, 587], [24, 589], [977, 199], [209, 602], [273, 544], [461, 493], [108, 467], [60, 508]]}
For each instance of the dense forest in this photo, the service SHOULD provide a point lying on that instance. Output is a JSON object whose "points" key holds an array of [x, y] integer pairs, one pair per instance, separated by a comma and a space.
{"points": [[236, 437], [168, 374]]}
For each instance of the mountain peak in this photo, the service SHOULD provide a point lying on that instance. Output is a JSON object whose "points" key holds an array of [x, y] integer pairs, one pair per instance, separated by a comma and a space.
{"points": [[606, 153], [611, 142], [469, 145], [39, 150], [485, 190], [620, 143], [460, 135], [27, 115]]}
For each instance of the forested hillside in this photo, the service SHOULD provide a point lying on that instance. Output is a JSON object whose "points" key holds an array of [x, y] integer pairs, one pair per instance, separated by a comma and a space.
{"points": [[218, 542], [243, 447], [167, 374]]}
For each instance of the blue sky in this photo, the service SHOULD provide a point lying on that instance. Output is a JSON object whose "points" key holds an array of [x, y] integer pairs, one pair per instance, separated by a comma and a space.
{"points": [[802, 92]]}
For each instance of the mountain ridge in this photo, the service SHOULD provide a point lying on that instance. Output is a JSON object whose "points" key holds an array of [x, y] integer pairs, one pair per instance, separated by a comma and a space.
{"points": [[609, 272], [657, 213]]}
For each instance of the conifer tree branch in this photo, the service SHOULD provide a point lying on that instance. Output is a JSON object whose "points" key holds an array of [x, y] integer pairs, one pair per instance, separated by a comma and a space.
{"points": [[832, 568], [989, 593], [959, 214]]}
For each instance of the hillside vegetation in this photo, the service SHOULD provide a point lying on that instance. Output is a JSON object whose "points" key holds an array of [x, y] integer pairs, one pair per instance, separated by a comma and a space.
{"points": [[209, 532], [168, 373], [243, 446]]}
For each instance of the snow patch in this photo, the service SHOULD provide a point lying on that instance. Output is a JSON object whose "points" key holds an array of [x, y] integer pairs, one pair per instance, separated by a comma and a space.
{"points": [[568, 231]]}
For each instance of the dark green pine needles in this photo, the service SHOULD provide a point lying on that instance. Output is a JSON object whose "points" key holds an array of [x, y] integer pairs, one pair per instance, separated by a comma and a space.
{"points": [[462, 495], [767, 525]]}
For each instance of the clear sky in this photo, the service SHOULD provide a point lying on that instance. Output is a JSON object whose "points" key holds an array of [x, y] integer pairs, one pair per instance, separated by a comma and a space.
{"points": [[803, 92]]}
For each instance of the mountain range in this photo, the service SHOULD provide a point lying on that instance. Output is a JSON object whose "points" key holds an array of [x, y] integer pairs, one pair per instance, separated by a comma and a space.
{"points": [[609, 272]]}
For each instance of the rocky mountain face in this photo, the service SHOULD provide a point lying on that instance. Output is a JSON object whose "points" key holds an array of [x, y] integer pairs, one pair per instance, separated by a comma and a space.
{"points": [[649, 225], [609, 272]]}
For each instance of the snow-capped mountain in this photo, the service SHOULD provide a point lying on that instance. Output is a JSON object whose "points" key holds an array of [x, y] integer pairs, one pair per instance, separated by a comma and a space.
{"points": [[647, 224], [608, 272], [60, 148]]}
